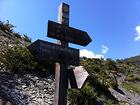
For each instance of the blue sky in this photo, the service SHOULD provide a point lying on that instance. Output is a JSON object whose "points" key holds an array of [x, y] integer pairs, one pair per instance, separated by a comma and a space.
{"points": [[113, 25]]}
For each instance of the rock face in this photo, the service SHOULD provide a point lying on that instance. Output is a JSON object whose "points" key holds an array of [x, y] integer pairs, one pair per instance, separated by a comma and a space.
{"points": [[27, 89]]}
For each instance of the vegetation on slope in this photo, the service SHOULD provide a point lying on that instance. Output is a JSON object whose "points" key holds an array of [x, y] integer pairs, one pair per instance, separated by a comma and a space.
{"points": [[102, 76], [7, 28], [134, 60], [15, 57], [103, 73], [132, 87]]}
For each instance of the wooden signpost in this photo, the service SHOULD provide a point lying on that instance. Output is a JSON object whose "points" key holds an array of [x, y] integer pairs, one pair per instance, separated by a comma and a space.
{"points": [[62, 55]]}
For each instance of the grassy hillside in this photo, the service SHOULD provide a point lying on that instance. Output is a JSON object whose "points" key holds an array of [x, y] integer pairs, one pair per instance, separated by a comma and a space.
{"points": [[103, 73], [134, 60]]}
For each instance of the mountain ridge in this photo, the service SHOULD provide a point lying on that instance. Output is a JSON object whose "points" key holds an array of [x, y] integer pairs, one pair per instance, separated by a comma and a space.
{"points": [[134, 60]]}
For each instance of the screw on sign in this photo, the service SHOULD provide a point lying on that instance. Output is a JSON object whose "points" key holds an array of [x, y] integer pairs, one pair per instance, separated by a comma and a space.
{"points": [[62, 55]]}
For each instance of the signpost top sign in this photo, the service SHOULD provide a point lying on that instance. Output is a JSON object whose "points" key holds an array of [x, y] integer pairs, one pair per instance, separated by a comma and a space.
{"points": [[68, 34]]}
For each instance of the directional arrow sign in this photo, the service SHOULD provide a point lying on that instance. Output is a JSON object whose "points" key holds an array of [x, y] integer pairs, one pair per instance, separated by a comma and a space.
{"points": [[81, 75], [69, 34], [49, 52]]}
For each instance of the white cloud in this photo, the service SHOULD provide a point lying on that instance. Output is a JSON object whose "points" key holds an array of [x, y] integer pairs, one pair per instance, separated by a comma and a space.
{"points": [[104, 49], [137, 38], [90, 54]]}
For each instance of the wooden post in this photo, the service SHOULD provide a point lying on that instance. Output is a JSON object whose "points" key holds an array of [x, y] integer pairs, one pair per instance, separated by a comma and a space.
{"points": [[61, 70], [62, 54], [72, 79]]}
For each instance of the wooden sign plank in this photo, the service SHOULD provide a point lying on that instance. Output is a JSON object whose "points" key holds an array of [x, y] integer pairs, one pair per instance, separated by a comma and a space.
{"points": [[69, 34], [81, 75], [63, 14], [49, 52]]}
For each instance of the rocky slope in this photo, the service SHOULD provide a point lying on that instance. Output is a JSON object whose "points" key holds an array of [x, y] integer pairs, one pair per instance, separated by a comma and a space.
{"points": [[27, 88], [125, 96], [24, 88]]}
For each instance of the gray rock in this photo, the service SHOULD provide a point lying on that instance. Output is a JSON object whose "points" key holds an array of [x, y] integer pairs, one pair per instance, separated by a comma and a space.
{"points": [[19, 90], [129, 97]]}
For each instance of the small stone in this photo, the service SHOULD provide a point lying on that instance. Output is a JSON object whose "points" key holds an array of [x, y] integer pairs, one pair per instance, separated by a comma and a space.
{"points": [[24, 86]]}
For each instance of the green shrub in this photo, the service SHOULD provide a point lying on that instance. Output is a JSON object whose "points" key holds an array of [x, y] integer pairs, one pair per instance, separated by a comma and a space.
{"points": [[84, 96], [132, 87], [26, 38], [17, 35], [6, 26], [133, 77], [101, 70], [130, 77], [17, 58]]}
